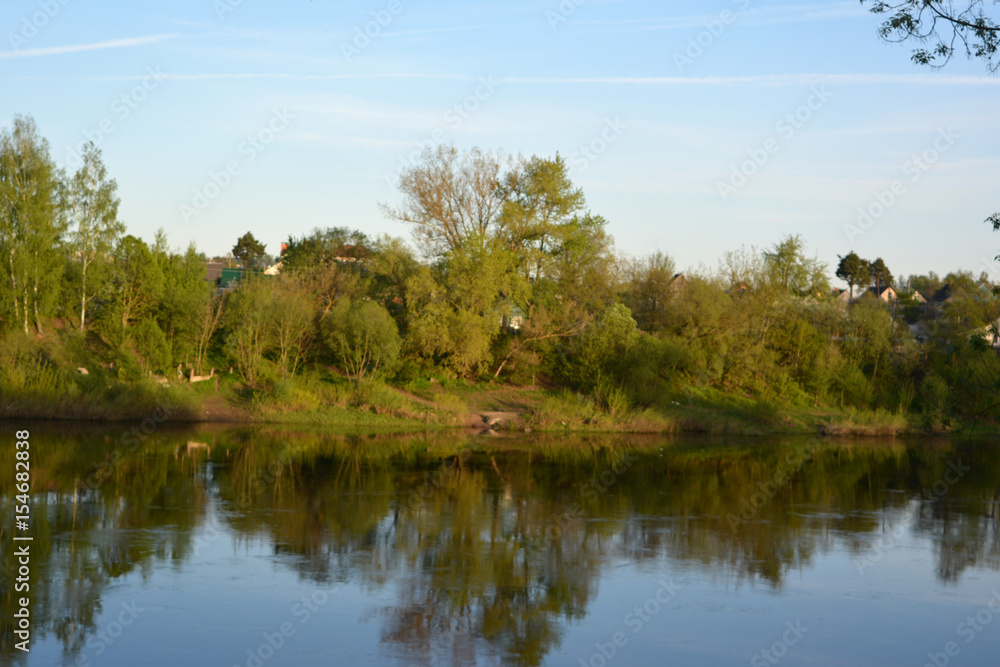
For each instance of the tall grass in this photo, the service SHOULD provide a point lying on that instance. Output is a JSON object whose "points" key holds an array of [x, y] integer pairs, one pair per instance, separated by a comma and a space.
{"points": [[33, 386], [574, 411], [869, 423]]}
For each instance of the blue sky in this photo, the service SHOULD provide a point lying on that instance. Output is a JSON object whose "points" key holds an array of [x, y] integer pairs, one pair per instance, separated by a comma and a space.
{"points": [[693, 127]]}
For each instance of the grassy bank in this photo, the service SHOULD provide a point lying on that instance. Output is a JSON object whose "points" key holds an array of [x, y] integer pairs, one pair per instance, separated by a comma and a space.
{"points": [[58, 395], [324, 397]]}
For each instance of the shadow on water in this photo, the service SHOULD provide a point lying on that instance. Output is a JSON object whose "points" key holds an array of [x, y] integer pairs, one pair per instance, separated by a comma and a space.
{"points": [[489, 546]]}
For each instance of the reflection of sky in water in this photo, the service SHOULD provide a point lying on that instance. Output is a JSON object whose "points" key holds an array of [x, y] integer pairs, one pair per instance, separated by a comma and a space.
{"points": [[237, 586]]}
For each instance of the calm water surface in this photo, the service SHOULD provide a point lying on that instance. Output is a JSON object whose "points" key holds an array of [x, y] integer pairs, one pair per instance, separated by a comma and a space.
{"points": [[264, 547]]}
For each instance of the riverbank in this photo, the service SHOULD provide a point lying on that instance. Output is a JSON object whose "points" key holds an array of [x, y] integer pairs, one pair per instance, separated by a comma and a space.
{"points": [[331, 401]]}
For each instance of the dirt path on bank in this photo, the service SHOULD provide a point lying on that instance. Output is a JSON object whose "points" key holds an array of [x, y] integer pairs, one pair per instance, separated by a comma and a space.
{"points": [[218, 409]]}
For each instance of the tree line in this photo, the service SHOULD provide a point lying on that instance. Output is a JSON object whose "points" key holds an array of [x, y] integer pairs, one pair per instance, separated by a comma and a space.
{"points": [[511, 278]]}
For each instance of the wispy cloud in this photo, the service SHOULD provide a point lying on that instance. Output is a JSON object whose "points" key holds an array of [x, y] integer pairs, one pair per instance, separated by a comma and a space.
{"points": [[96, 46], [774, 80], [288, 75], [757, 16], [762, 80]]}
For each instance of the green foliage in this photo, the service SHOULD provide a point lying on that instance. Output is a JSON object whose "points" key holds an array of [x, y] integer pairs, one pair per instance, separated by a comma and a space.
{"points": [[186, 295], [868, 335], [792, 271], [363, 336], [452, 198], [291, 321], [248, 333], [135, 289], [151, 346], [853, 385], [31, 226], [700, 321], [653, 284], [939, 28], [854, 271], [881, 276], [92, 208], [597, 354], [456, 323], [249, 251], [324, 246], [519, 281], [933, 397]]}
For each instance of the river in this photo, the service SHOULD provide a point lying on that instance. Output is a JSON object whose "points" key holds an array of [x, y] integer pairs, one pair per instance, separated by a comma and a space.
{"points": [[267, 546]]}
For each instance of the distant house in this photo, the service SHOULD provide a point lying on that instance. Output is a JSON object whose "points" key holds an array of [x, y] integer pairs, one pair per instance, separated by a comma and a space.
{"points": [[917, 297], [888, 294], [274, 269], [213, 271], [989, 332], [514, 321], [943, 296], [841, 295]]}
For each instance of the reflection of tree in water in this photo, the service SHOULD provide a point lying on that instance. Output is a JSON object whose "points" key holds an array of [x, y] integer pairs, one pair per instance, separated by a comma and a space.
{"points": [[485, 560], [455, 551], [470, 576], [87, 536], [962, 519]]}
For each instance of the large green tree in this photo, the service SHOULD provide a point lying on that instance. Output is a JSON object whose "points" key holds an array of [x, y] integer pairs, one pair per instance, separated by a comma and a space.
{"points": [[324, 246], [291, 320], [456, 308], [31, 225], [881, 277], [249, 334], [135, 288], [92, 208], [539, 205], [650, 288], [792, 271], [452, 198], [249, 251], [854, 271], [186, 295], [942, 27]]}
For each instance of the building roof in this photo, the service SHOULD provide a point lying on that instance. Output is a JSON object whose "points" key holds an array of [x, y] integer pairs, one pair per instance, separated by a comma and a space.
{"points": [[942, 295]]}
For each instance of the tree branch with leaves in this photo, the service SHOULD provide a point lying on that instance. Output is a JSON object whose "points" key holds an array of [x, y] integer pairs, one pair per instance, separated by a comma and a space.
{"points": [[944, 27]]}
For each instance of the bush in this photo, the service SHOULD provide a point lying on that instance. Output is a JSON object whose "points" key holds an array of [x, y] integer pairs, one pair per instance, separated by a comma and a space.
{"points": [[934, 399], [854, 386], [151, 346], [363, 336]]}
